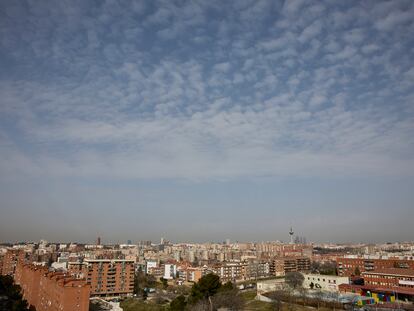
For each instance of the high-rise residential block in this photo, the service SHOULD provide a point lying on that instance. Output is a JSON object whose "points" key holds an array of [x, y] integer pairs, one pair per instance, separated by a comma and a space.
{"points": [[107, 277]]}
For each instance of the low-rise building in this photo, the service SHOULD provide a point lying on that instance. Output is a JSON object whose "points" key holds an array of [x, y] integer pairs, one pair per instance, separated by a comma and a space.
{"points": [[394, 278], [324, 282], [385, 285]]}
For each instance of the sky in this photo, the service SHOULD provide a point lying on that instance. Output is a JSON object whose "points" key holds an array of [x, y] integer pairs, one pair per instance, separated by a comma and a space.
{"points": [[206, 120]]}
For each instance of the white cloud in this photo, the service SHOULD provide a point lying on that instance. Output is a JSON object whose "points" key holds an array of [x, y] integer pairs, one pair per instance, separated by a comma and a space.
{"points": [[370, 48], [220, 98], [310, 31], [317, 100], [222, 67], [292, 6], [394, 19]]}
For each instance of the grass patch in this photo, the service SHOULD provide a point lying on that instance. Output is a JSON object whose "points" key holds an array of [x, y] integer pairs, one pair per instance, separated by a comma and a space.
{"points": [[254, 305], [132, 304], [248, 295]]}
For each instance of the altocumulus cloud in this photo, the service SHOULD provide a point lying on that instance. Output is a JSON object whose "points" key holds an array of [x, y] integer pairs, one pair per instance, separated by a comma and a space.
{"points": [[206, 89]]}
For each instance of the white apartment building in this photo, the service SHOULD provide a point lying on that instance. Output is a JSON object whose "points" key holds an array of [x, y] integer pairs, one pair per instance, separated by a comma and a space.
{"points": [[324, 282]]}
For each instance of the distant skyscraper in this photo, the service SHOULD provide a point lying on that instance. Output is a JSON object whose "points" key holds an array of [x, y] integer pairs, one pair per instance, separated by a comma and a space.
{"points": [[98, 241], [129, 242], [227, 241], [291, 233], [177, 255], [162, 241], [191, 256]]}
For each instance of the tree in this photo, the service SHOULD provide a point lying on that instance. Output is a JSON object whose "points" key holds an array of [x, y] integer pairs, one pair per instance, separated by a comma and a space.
{"points": [[228, 300], [290, 299], [19, 305], [228, 297], [209, 294], [303, 296], [201, 305], [49, 261], [277, 298], [326, 268], [276, 305], [227, 287], [178, 304], [164, 282], [294, 279], [14, 301], [319, 297], [142, 281], [206, 287]]}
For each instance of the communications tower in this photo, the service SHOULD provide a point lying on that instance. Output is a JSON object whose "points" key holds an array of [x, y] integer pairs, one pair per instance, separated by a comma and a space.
{"points": [[291, 235]]}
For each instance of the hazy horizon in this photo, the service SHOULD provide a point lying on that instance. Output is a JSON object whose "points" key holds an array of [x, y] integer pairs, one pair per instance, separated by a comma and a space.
{"points": [[207, 120], [155, 242]]}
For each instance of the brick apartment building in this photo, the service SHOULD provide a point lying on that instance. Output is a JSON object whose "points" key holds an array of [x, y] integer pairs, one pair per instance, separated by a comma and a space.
{"points": [[246, 270], [281, 266], [229, 271], [390, 278], [270, 250], [50, 291], [106, 277], [187, 273], [10, 260], [157, 272], [194, 274], [348, 265], [255, 269]]}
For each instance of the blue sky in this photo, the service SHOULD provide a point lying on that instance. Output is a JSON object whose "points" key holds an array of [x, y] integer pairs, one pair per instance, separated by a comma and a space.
{"points": [[207, 120]]}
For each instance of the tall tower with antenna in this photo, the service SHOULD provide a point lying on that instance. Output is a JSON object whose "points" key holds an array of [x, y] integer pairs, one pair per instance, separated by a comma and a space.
{"points": [[291, 235]]}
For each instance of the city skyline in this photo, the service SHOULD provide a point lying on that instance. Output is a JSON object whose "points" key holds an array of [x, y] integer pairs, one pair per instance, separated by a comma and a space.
{"points": [[204, 120], [297, 240]]}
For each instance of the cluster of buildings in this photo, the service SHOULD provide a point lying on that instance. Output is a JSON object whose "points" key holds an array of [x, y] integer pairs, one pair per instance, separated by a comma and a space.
{"points": [[387, 276], [51, 274], [232, 262], [370, 275]]}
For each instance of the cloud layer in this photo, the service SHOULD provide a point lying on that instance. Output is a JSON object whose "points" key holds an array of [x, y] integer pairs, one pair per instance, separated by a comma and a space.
{"points": [[207, 90]]}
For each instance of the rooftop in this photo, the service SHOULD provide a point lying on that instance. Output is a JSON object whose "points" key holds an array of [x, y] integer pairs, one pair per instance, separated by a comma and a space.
{"points": [[392, 271]]}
